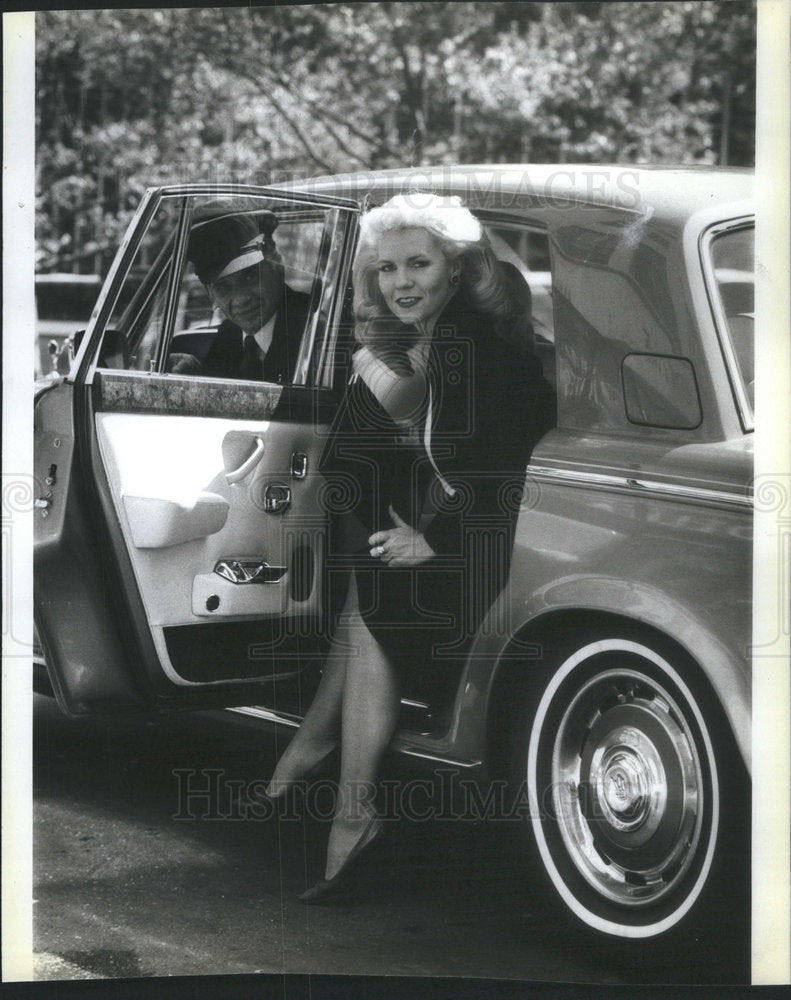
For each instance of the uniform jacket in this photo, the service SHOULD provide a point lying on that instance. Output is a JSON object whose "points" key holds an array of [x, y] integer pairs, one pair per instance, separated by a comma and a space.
{"points": [[225, 356]]}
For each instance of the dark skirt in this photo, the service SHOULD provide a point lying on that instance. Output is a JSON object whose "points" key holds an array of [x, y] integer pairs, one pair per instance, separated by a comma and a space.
{"points": [[424, 617]]}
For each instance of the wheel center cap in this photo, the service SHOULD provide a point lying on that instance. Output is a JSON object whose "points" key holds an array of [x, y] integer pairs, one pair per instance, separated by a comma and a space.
{"points": [[624, 786], [628, 779]]}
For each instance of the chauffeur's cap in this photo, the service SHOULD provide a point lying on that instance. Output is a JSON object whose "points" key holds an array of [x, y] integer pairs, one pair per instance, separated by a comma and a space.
{"points": [[225, 239]]}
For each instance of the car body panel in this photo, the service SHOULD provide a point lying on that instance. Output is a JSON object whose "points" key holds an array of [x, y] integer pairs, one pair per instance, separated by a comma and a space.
{"points": [[85, 646], [616, 556]]}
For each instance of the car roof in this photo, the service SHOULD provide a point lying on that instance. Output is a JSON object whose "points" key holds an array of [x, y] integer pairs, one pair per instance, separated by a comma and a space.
{"points": [[670, 192]]}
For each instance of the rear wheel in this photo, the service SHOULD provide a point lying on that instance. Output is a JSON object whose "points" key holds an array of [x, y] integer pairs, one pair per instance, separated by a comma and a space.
{"points": [[624, 788]]}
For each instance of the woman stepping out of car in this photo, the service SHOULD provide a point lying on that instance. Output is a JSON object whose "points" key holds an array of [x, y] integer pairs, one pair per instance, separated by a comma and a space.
{"points": [[442, 411]]}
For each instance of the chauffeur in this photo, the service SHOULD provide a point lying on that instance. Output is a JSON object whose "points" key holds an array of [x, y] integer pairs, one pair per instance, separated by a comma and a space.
{"points": [[234, 254]]}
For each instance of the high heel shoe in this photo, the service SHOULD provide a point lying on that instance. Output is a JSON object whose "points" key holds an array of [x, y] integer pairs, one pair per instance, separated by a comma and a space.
{"points": [[278, 787], [329, 889]]}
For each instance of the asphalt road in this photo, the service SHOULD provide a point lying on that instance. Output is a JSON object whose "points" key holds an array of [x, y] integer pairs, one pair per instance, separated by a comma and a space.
{"points": [[126, 886]]}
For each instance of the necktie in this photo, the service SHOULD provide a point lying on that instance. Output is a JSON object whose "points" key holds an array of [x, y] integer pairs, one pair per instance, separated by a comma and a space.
{"points": [[252, 367]]}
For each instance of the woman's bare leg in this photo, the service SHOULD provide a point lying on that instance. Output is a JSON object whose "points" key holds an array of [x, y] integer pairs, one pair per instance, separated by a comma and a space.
{"points": [[321, 728], [371, 702], [358, 700]]}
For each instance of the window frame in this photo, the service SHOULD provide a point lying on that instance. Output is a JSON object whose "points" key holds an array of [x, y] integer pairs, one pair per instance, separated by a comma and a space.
{"points": [[732, 366], [86, 360]]}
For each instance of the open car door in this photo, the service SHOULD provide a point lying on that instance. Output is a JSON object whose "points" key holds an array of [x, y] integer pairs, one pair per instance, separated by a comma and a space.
{"points": [[180, 531]]}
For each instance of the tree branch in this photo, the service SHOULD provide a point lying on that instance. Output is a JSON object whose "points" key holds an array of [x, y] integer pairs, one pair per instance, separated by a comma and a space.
{"points": [[303, 139], [412, 87], [322, 113]]}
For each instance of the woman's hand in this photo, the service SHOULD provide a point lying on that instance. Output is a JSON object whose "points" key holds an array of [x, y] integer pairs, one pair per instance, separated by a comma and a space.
{"points": [[400, 545]]}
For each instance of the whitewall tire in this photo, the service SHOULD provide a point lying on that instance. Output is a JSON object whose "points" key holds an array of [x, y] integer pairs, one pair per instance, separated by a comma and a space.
{"points": [[624, 789]]}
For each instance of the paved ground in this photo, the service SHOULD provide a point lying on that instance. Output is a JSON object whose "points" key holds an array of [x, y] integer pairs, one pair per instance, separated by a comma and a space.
{"points": [[126, 888]]}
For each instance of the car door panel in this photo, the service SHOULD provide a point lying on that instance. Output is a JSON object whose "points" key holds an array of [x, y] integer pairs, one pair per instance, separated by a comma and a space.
{"points": [[194, 539]]}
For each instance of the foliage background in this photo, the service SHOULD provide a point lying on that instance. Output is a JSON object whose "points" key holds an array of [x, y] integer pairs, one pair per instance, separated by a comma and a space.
{"points": [[131, 98]]}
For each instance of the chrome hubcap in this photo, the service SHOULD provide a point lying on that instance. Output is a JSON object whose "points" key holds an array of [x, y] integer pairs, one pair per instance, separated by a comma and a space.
{"points": [[627, 787]]}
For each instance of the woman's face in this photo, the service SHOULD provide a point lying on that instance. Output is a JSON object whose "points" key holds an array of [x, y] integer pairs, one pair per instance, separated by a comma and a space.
{"points": [[414, 275]]}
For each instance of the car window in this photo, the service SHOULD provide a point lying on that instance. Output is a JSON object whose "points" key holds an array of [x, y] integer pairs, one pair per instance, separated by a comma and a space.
{"points": [[137, 319], [298, 244], [208, 328], [733, 259], [282, 291], [528, 250]]}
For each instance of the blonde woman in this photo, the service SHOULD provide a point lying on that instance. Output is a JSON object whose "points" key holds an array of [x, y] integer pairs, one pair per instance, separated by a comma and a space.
{"points": [[443, 411]]}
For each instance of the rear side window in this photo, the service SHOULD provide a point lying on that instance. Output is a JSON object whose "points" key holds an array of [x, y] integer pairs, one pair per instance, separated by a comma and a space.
{"points": [[528, 250]]}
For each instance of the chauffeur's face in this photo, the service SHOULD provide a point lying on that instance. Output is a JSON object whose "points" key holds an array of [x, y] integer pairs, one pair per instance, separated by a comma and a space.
{"points": [[414, 275], [250, 297]]}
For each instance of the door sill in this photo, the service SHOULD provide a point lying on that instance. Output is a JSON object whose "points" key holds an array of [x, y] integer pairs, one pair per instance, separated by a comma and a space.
{"points": [[424, 746]]}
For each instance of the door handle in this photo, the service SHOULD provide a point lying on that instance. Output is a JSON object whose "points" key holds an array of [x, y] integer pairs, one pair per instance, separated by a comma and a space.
{"points": [[249, 463], [249, 571], [277, 499]]}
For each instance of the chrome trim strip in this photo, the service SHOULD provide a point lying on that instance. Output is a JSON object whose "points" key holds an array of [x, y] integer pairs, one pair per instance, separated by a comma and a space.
{"points": [[277, 192], [400, 745], [290, 719], [668, 491], [435, 757], [268, 715]]}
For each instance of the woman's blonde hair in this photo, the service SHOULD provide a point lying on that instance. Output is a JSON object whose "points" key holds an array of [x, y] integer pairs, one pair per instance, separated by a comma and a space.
{"points": [[482, 279]]}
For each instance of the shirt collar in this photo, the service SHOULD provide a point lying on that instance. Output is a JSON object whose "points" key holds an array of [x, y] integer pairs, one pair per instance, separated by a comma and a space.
{"points": [[264, 336]]}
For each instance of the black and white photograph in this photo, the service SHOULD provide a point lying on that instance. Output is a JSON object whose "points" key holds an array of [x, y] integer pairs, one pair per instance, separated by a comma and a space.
{"points": [[396, 592]]}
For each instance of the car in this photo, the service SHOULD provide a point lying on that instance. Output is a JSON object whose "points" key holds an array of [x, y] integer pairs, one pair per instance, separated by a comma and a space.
{"points": [[181, 523], [63, 303]]}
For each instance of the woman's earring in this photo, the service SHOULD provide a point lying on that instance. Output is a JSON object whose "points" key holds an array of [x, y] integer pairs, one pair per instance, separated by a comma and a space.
{"points": [[455, 278]]}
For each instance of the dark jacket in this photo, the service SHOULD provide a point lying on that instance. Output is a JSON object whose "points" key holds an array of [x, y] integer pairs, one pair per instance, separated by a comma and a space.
{"points": [[225, 356], [491, 406]]}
